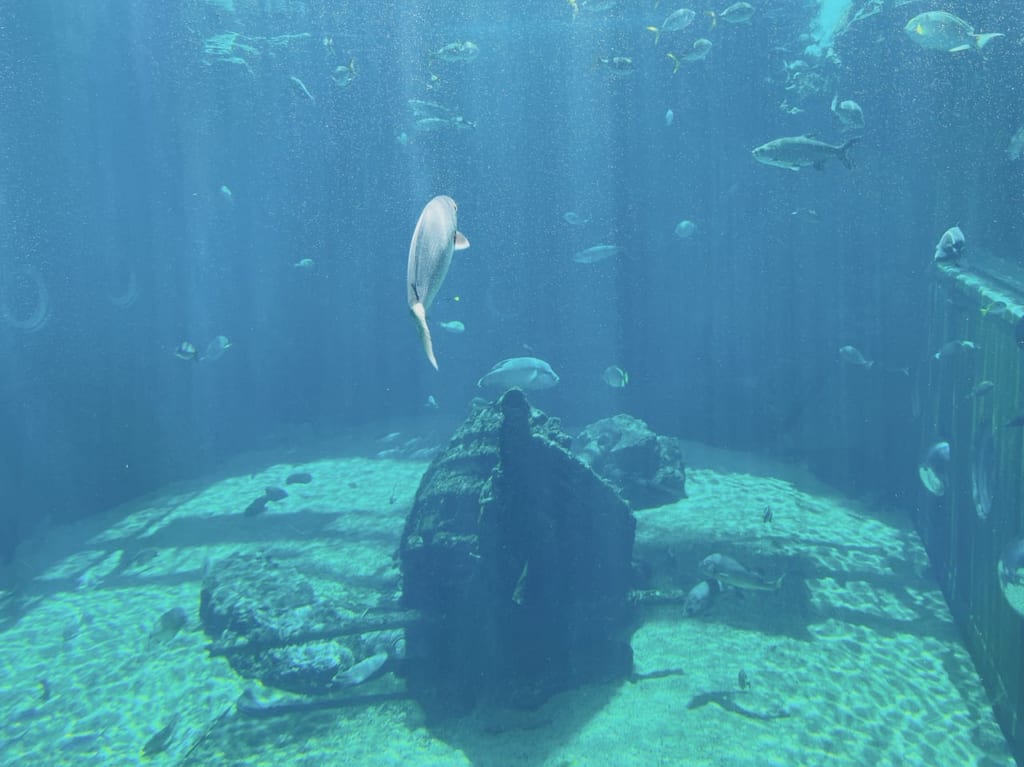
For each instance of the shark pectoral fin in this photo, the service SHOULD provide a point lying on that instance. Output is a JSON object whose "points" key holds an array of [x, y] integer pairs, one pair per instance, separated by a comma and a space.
{"points": [[420, 313], [461, 243]]}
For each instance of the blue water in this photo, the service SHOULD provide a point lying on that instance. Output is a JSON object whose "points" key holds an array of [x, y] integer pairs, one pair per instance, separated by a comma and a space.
{"points": [[117, 134]]}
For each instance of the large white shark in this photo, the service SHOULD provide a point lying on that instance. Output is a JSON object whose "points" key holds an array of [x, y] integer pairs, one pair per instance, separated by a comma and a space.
{"points": [[436, 236]]}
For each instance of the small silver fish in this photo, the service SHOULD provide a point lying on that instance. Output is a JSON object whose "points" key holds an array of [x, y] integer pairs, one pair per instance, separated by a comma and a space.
{"points": [[737, 13], [675, 22], [615, 377], [186, 351], [596, 253], [851, 355]]}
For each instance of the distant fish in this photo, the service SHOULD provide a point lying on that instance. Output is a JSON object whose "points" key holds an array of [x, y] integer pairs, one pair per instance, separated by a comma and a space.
{"points": [[226, 193], [1016, 147], [216, 348], [806, 214], [848, 113], [575, 219], [950, 246], [434, 240], [186, 351], [620, 66], [851, 355], [983, 470], [980, 389], [299, 478], [996, 309], [670, 118], [685, 229], [301, 88], [941, 31], [698, 52], [596, 253], [524, 372], [796, 152], [954, 348], [305, 264], [1015, 423], [737, 13], [728, 572], [767, 516], [615, 377], [453, 326], [676, 21], [343, 75], [459, 52], [431, 403], [933, 468]]}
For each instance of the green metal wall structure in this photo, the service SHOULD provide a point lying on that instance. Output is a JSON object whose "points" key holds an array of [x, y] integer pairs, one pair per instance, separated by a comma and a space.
{"points": [[964, 548]]}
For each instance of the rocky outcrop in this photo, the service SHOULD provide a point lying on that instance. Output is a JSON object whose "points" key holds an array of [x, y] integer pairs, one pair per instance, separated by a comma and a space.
{"points": [[519, 558], [273, 625], [647, 469]]}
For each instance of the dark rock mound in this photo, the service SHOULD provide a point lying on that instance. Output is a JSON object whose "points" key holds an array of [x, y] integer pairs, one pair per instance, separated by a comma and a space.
{"points": [[518, 557], [646, 469]]}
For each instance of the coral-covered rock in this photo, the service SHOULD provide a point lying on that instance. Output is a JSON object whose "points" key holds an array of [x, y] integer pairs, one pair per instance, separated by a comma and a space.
{"points": [[647, 469]]}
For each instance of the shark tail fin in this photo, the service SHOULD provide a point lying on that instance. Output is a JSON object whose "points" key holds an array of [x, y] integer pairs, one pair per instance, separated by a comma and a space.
{"points": [[420, 313]]}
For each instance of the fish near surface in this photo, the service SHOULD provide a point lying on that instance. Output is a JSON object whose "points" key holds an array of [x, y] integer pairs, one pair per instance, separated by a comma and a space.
{"points": [[796, 152], [434, 240]]}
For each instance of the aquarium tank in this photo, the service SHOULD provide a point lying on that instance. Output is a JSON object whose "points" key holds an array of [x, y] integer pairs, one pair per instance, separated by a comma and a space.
{"points": [[553, 383]]}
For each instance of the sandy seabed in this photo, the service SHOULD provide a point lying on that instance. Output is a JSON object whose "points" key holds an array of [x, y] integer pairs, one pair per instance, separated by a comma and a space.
{"points": [[854, 661]]}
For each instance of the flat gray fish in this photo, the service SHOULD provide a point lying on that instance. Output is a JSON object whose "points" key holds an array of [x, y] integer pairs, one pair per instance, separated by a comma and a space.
{"points": [[728, 572], [796, 152], [524, 372], [361, 671], [434, 240]]}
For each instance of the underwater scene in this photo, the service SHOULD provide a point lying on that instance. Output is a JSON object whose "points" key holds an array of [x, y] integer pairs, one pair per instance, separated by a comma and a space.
{"points": [[694, 436]]}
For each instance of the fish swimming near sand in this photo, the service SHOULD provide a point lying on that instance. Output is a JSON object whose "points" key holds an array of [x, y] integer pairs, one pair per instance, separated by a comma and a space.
{"points": [[728, 572], [434, 240]]}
